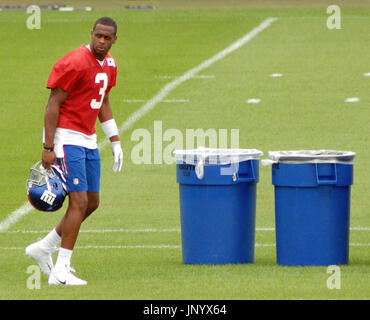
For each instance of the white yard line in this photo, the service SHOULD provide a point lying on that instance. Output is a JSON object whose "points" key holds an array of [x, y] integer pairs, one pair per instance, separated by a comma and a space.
{"points": [[352, 99], [16, 215], [276, 75], [360, 228], [145, 230], [166, 100], [133, 100], [159, 246], [165, 246], [175, 100], [253, 101], [210, 76]]}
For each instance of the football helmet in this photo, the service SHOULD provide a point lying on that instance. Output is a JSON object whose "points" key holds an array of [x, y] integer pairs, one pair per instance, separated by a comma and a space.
{"points": [[46, 189]]}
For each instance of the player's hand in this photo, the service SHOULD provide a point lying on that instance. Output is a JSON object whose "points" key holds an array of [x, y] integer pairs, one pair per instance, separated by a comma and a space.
{"points": [[118, 156], [48, 158]]}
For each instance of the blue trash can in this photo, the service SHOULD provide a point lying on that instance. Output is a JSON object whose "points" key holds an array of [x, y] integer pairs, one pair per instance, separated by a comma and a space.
{"points": [[217, 204], [312, 206]]}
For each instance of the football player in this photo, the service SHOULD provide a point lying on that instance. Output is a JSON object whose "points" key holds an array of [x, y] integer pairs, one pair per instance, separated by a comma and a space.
{"points": [[79, 85]]}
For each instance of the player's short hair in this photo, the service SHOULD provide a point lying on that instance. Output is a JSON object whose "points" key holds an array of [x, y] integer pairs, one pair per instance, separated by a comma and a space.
{"points": [[107, 22]]}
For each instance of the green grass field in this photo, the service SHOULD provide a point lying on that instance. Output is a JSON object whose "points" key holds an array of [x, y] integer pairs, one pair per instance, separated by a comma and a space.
{"points": [[131, 247]]}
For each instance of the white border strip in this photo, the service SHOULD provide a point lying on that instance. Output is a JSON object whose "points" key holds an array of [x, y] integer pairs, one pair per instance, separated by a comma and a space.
{"points": [[148, 106]]}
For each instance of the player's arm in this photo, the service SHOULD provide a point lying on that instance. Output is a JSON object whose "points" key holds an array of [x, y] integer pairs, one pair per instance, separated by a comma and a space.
{"points": [[56, 98], [110, 129]]}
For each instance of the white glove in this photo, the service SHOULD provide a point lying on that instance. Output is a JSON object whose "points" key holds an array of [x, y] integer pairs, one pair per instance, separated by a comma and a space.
{"points": [[118, 156]]}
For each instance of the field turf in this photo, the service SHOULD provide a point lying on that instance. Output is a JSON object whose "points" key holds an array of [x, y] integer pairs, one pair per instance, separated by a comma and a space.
{"points": [[131, 247]]}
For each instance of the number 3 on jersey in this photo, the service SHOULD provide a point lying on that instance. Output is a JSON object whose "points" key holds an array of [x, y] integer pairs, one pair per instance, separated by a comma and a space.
{"points": [[98, 79]]}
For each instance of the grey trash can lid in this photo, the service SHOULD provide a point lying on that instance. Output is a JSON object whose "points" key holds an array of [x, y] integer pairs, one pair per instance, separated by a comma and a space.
{"points": [[330, 156], [216, 156]]}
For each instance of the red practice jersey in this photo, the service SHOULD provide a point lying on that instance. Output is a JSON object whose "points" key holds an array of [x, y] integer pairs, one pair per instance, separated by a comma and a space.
{"points": [[87, 82]]}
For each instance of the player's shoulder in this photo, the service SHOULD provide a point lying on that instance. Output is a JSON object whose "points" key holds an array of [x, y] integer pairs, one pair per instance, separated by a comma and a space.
{"points": [[74, 59]]}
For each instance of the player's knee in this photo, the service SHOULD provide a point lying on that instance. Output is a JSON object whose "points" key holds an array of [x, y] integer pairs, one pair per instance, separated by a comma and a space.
{"points": [[93, 205], [93, 201], [79, 201]]}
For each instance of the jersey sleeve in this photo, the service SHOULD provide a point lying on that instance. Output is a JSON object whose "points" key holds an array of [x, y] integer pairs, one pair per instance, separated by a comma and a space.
{"points": [[64, 76]]}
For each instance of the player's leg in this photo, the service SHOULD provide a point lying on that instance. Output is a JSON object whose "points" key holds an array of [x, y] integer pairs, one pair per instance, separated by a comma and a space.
{"points": [[69, 227], [65, 232], [92, 203], [75, 161], [82, 204]]}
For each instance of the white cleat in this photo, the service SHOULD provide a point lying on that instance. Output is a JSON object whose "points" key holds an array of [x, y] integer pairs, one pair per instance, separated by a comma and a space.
{"points": [[65, 277], [41, 256]]}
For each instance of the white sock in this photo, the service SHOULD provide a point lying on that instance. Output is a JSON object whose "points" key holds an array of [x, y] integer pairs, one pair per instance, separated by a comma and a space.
{"points": [[64, 259], [50, 241]]}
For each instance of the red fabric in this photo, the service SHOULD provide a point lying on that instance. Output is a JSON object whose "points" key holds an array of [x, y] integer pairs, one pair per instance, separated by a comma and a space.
{"points": [[77, 73]]}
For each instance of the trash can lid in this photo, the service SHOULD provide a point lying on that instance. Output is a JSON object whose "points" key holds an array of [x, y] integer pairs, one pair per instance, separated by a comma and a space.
{"points": [[216, 156], [313, 156]]}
